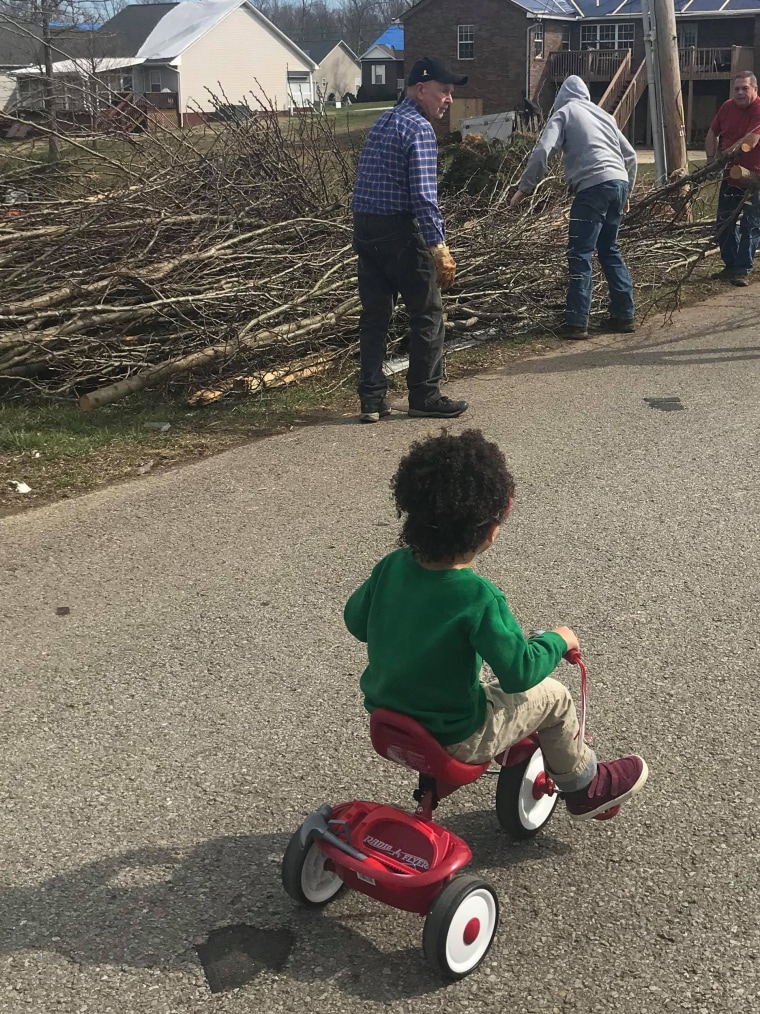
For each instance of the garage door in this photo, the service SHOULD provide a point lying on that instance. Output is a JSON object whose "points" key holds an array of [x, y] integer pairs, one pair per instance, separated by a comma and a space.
{"points": [[299, 88]]}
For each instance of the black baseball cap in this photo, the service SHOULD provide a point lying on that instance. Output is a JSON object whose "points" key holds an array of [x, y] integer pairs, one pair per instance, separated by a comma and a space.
{"points": [[433, 69]]}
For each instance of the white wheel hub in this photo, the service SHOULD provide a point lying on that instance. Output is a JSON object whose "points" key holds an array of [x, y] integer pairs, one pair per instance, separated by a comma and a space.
{"points": [[318, 884], [470, 931], [533, 813]]}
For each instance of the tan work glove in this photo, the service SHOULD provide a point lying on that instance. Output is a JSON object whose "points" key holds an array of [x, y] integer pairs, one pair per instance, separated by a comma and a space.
{"points": [[445, 265]]}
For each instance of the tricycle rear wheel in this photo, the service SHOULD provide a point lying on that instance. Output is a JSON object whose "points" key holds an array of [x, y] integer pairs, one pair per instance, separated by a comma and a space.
{"points": [[461, 926], [305, 875]]}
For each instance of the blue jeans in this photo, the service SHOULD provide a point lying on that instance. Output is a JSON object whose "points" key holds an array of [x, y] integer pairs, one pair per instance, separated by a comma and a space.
{"points": [[595, 218], [738, 242]]}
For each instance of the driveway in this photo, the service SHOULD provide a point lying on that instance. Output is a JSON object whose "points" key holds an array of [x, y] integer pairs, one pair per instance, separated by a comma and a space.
{"points": [[178, 691]]}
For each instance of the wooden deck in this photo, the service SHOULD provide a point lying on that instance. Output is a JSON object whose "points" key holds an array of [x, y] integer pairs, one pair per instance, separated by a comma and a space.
{"points": [[712, 64]]}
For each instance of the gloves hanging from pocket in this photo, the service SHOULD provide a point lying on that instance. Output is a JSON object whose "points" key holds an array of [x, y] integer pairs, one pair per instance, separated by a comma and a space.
{"points": [[445, 265]]}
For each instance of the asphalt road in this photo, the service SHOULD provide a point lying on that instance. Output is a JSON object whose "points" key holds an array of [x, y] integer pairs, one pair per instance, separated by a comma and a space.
{"points": [[163, 738]]}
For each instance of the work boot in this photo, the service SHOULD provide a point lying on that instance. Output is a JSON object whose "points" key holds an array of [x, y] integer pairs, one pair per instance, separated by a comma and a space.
{"points": [[440, 408], [722, 276], [740, 280], [613, 784], [572, 331], [372, 413], [618, 325]]}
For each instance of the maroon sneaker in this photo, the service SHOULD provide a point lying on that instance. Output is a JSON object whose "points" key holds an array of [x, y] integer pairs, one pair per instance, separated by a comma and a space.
{"points": [[613, 784]]}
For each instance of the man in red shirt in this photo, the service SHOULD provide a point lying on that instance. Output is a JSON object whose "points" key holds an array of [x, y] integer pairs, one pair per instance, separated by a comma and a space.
{"points": [[738, 217]]}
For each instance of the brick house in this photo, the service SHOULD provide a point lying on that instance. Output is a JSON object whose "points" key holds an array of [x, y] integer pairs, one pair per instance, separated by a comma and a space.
{"points": [[513, 48]]}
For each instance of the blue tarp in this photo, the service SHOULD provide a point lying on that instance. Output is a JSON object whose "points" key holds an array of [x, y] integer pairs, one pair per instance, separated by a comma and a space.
{"points": [[393, 36]]}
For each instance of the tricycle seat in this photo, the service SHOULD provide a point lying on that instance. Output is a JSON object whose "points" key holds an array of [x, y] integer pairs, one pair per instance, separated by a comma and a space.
{"points": [[403, 740]]}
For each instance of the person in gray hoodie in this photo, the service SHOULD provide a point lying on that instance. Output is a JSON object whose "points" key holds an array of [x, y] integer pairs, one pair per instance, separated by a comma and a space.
{"points": [[600, 169]]}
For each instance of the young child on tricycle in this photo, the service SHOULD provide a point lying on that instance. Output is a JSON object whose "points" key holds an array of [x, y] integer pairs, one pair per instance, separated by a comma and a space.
{"points": [[429, 622]]}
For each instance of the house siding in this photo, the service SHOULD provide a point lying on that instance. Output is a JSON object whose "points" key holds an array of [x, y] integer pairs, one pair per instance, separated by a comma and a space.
{"points": [[497, 72], [7, 92], [394, 71], [341, 73], [239, 56], [541, 89]]}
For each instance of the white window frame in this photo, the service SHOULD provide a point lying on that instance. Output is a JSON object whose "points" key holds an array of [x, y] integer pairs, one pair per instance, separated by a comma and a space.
{"points": [[465, 42], [538, 40], [687, 36], [565, 45], [378, 74], [608, 36], [154, 79]]}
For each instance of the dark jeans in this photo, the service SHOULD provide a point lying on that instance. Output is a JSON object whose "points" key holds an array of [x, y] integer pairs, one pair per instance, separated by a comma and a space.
{"points": [[595, 218], [738, 242], [393, 261]]}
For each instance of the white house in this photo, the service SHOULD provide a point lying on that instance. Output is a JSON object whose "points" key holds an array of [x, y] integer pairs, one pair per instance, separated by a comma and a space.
{"points": [[339, 71], [178, 54]]}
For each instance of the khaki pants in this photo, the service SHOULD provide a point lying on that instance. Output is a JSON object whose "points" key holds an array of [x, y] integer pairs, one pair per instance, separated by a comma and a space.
{"points": [[547, 709]]}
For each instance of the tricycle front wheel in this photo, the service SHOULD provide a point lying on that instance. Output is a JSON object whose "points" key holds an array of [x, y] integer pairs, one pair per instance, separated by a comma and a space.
{"points": [[523, 806]]}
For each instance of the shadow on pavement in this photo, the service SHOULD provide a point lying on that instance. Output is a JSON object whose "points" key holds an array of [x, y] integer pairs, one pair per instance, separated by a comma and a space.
{"points": [[650, 348], [158, 907]]}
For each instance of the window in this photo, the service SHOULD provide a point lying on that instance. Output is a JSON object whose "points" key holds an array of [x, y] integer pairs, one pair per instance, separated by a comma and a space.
{"points": [[607, 36], [378, 73], [565, 38], [126, 82], [538, 40], [687, 36], [400, 84], [30, 92], [465, 42], [155, 80]]}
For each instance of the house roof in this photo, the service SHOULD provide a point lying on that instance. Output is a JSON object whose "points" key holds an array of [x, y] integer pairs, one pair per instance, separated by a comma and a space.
{"points": [[563, 8], [392, 37], [577, 9], [632, 8], [184, 23], [163, 31], [383, 53], [319, 49], [127, 31], [20, 41], [84, 66]]}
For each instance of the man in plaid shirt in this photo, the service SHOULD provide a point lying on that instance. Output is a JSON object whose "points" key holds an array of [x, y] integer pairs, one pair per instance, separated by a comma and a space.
{"points": [[400, 237]]}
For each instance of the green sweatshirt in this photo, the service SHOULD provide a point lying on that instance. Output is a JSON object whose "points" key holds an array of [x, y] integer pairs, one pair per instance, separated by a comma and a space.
{"points": [[427, 634]]}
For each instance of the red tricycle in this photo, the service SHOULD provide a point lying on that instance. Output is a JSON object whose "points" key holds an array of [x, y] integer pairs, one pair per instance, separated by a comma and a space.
{"points": [[407, 860]]}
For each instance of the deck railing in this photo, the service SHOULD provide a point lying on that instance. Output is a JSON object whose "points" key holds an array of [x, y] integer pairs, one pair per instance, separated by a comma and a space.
{"points": [[617, 85], [590, 64], [697, 64], [625, 107]]}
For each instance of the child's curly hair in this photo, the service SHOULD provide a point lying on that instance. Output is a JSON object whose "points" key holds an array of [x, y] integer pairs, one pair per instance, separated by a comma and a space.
{"points": [[450, 488]]}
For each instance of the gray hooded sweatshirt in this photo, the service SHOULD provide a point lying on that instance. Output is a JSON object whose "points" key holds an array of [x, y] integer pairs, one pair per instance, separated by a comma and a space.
{"points": [[594, 149]]}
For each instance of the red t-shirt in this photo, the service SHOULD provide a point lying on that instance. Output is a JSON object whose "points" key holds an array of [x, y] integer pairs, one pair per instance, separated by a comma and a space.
{"points": [[731, 124]]}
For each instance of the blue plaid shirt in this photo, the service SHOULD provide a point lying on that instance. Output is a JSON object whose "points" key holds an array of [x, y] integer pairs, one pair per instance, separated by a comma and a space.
{"points": [[398, 170]]}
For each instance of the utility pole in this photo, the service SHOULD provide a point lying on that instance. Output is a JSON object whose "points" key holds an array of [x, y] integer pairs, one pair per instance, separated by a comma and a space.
{"points": [[674, 132], [49, 81], [653, 93]]}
